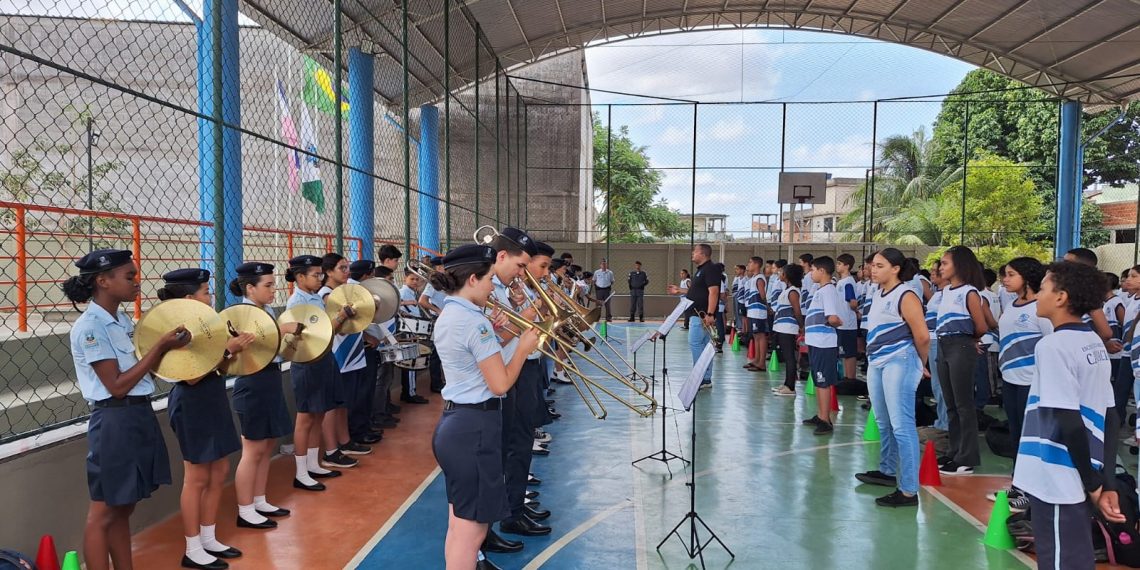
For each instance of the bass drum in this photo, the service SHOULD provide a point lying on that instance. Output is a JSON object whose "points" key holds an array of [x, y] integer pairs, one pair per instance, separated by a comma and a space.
{"points": [[420, 362]]}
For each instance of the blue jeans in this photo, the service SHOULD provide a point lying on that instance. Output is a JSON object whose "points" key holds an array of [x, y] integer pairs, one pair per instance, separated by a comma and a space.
{"points": [[698, 339], [892, 388], [943, 421]]}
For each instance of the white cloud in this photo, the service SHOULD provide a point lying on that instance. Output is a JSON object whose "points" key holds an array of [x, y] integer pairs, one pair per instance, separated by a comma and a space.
{"points": [[675, 135], [724, 130], [847, 157]]}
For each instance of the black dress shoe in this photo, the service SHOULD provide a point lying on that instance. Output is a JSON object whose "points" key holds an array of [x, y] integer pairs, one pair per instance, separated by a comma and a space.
{"points": [[414, 399], [533, 481], [317, 487], [230, 552], [525, 527], [485, 564], [332, 474], [393, 408], [532, 494], [280, 512], [496, 543], [535, 514], [266, 524], [370, 439], [553, 414], [215, 565], [541, 452]]}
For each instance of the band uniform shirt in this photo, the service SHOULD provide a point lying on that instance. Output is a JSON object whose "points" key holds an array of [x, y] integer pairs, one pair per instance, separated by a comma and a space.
{"points": [[603, 279], [1021, 330], [463, 338], [409, 294], [825, 303], [1072, 369], [502, 294], [96, 336], [707, 276], [347, 349]]}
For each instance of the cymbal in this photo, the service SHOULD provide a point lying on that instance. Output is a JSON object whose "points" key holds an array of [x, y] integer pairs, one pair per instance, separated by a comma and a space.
{"points": [[361, 301], [208, 336], [314, 341], [386, 296], [267, 338]]}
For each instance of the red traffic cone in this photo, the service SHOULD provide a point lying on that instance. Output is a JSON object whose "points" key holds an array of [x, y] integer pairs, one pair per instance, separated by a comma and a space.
{"points": [[46, 557], [751, 350], [834, 401], [928, 472]]}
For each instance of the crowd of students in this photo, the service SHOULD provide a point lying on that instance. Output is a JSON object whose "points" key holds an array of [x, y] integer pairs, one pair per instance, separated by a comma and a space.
{"points": [[1054, 341]]}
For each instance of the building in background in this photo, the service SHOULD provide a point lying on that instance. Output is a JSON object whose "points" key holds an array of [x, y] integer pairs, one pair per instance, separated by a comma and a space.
{"points": [[707, 227], [820, 223], [1118, 204]]}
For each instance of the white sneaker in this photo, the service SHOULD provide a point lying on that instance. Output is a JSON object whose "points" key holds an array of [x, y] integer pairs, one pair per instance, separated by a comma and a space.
{"points": [[542, 437], [783, 391], [538, 446]]}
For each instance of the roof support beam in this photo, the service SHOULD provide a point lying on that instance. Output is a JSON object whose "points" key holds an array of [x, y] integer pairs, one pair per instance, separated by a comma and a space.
{"points": [[998, 19], [1091, 46], [1048, 29]]}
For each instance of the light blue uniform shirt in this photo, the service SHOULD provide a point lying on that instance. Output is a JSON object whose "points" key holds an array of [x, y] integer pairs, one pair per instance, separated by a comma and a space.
{"points": [[300, 297], [97, 336], [503, 295], [464, 338]]}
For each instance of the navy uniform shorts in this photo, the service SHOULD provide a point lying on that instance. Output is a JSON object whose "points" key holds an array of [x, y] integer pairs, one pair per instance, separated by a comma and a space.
{"points": [[824, 365], [758, 326]]}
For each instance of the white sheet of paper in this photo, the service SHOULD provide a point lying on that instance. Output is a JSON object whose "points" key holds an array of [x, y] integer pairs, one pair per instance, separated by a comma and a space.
{"points": [[641, 341], [693, 382], [672, 318]]}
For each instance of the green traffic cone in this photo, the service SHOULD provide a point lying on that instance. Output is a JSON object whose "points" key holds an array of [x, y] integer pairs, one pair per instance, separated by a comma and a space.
{"points": [[602, 328], [773, 364], [871, 430], [810, 390], [71, 559], [735, 342], [997, 534]]}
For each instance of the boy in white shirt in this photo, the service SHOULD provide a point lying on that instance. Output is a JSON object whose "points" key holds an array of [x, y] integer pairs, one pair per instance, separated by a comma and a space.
{"points": [[821, 321], [848, 333]]}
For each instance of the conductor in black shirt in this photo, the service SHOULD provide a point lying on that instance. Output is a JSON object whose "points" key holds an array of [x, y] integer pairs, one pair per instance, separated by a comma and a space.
{"points": [[638, 280], [704, 292]]}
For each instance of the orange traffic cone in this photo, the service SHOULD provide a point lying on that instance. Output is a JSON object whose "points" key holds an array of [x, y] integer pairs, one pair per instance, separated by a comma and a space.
{"points": [[46, 557], [928, 471]]}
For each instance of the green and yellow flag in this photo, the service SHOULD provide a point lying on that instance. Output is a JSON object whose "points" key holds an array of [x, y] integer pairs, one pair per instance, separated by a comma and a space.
{"points": [[318, 90]]}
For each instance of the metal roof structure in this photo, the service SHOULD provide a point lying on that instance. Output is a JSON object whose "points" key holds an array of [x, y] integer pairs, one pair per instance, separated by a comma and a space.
{"points": [[1086, 50]]}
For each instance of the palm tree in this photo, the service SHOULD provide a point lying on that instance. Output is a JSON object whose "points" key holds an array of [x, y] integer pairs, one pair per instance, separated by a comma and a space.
{"points": [[906, 188]]}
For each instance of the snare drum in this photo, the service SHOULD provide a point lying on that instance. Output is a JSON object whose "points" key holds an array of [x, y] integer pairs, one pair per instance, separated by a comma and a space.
{"points": [[420, 360], [420, 327], [398, 352]]}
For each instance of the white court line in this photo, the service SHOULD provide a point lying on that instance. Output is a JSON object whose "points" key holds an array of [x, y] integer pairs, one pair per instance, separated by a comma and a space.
{"points": [[544, 556], [1023, 557], [392, 520]]}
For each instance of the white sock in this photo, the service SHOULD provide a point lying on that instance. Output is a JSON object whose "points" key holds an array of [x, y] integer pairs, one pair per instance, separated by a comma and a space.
{"points": [[314, 462], [480, 556], [209, 541], [248, 513], [260, 502], [302, 474], [196, 553]]}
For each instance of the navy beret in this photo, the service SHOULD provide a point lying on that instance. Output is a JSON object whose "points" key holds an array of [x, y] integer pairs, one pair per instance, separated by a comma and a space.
{"points": [[468, 254], [556, 264], [102, 260], [254, 269], [189, 276], [437, 260], [305, 261], [362, 266], [543, 248], [521, 238]]}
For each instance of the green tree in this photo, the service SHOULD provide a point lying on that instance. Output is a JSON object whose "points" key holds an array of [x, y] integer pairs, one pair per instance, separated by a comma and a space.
{"points": [[1002, 206], [630, 210], [1092, 225], [906, 189]]}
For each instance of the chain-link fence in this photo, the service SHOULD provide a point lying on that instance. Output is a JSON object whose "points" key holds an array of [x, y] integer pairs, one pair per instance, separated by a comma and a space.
{"points": [[195, 135]]}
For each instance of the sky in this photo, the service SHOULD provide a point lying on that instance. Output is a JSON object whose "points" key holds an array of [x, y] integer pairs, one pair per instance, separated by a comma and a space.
{"points": [[829, 81]]}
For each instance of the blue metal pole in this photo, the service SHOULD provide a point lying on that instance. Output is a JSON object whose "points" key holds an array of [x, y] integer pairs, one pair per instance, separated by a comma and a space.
{"points": [[231, 215], [429, 177], [1068, 186], [361, 123]]}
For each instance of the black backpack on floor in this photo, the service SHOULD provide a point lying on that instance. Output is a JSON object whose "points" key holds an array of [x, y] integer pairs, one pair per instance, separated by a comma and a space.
{"points": [[1121, 540], [12, 560]]}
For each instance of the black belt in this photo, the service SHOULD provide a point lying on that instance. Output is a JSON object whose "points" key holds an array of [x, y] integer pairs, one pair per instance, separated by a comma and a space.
{"points": [[121, 402], [488, 405]]}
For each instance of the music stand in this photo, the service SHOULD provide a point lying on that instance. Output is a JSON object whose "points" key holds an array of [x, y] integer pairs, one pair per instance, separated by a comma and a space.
{"points": [[694, 547], [661, 334]]}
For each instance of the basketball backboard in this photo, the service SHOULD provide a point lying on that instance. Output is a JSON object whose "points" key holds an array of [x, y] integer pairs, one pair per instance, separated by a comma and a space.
{"points": [[802, 187]]}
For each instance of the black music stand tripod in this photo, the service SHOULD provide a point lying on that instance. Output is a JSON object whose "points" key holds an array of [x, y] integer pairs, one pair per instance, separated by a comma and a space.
{"points": [[694, 546], [663, 455]]}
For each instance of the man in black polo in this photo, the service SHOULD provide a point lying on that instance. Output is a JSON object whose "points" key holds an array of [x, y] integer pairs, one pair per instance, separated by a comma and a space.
{"points": [[638, 280], [704, 292]]}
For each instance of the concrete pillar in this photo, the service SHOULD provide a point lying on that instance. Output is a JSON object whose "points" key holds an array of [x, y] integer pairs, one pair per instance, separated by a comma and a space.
{"points": [[429, 178], [361, 157], [1069, 177]]}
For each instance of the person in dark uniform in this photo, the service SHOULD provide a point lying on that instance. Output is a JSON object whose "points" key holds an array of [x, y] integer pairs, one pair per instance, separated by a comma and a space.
{"points": [[126, 456], [259, 400], [431, 303], [638, 281], [467, 441], [386, 411], [360, 405], [201, 419], [308, 379], [348, 352]]}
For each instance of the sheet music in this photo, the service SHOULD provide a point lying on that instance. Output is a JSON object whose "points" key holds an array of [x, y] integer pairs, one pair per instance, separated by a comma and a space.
{"points": [[649, 335], [696, 376], [672, 318]]}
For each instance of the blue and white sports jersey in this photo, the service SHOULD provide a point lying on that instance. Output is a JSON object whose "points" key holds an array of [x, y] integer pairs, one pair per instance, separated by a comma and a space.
{"points": [[1072, 374], [1021, 330], [825, 303], [808, 290], [953, 316], [992, 303], [870, 289], [932, 310], [785, 314], [757, 303], [847, 293], [347, 349], [889, 337], [1114, 324], [916, 283], [776, 286]]}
